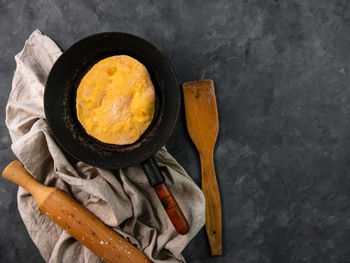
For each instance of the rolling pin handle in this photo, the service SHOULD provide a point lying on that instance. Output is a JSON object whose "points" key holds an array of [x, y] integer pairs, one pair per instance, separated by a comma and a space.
{"points": [[16, 173]]}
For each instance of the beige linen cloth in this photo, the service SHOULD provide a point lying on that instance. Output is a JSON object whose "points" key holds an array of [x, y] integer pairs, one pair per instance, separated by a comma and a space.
{"points": [[122, 199]]}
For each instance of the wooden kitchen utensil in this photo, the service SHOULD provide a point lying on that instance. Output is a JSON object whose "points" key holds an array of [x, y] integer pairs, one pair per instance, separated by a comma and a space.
{"points": [[203, 125], [75, 219]]}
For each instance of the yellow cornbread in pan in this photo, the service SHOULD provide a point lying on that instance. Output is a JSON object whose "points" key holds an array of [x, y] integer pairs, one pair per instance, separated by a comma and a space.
{"points": [[115, 100]]}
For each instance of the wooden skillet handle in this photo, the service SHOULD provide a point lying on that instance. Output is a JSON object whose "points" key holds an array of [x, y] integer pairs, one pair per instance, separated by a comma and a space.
{"points": [[172, 208], [157, 181]]}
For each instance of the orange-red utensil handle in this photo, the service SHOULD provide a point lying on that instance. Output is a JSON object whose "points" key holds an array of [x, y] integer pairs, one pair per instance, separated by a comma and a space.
{"points": [[172, 208], [157, 181]]}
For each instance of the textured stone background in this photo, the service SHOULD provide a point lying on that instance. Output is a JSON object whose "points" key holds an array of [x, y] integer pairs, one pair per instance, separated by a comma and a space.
{"points": [[282, 75]]}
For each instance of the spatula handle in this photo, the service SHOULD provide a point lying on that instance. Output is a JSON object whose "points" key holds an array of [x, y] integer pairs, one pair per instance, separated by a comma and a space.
{"points": [[210, 189]]}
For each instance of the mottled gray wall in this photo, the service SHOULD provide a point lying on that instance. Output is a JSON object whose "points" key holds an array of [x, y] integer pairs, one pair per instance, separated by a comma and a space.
{"points": [[281, 70]]}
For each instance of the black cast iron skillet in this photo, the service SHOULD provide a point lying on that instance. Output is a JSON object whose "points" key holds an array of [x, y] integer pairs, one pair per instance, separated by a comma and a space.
{"points": [[60, 111]]}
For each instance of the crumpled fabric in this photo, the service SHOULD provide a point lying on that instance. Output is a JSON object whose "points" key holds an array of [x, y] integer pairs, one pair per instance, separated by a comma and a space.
{"points": [[122, 198]]}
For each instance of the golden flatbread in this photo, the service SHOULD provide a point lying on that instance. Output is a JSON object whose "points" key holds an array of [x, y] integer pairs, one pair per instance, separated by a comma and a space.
{"points": [[115, 100]]}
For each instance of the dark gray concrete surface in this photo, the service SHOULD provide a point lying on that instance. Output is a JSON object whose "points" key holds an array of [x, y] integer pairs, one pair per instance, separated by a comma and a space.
{"points": [[282, 74]]}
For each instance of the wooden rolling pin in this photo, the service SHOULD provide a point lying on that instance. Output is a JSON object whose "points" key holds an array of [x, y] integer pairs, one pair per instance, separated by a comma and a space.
{"points": [[75, 219], [203, 126]]}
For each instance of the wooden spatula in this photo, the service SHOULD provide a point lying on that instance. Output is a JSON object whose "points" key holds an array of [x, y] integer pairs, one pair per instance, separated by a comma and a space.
{"points": [[203, 126]]}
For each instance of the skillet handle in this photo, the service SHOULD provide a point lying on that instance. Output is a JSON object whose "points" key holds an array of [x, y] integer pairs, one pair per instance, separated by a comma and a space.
{"points": [[157, 181]]}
